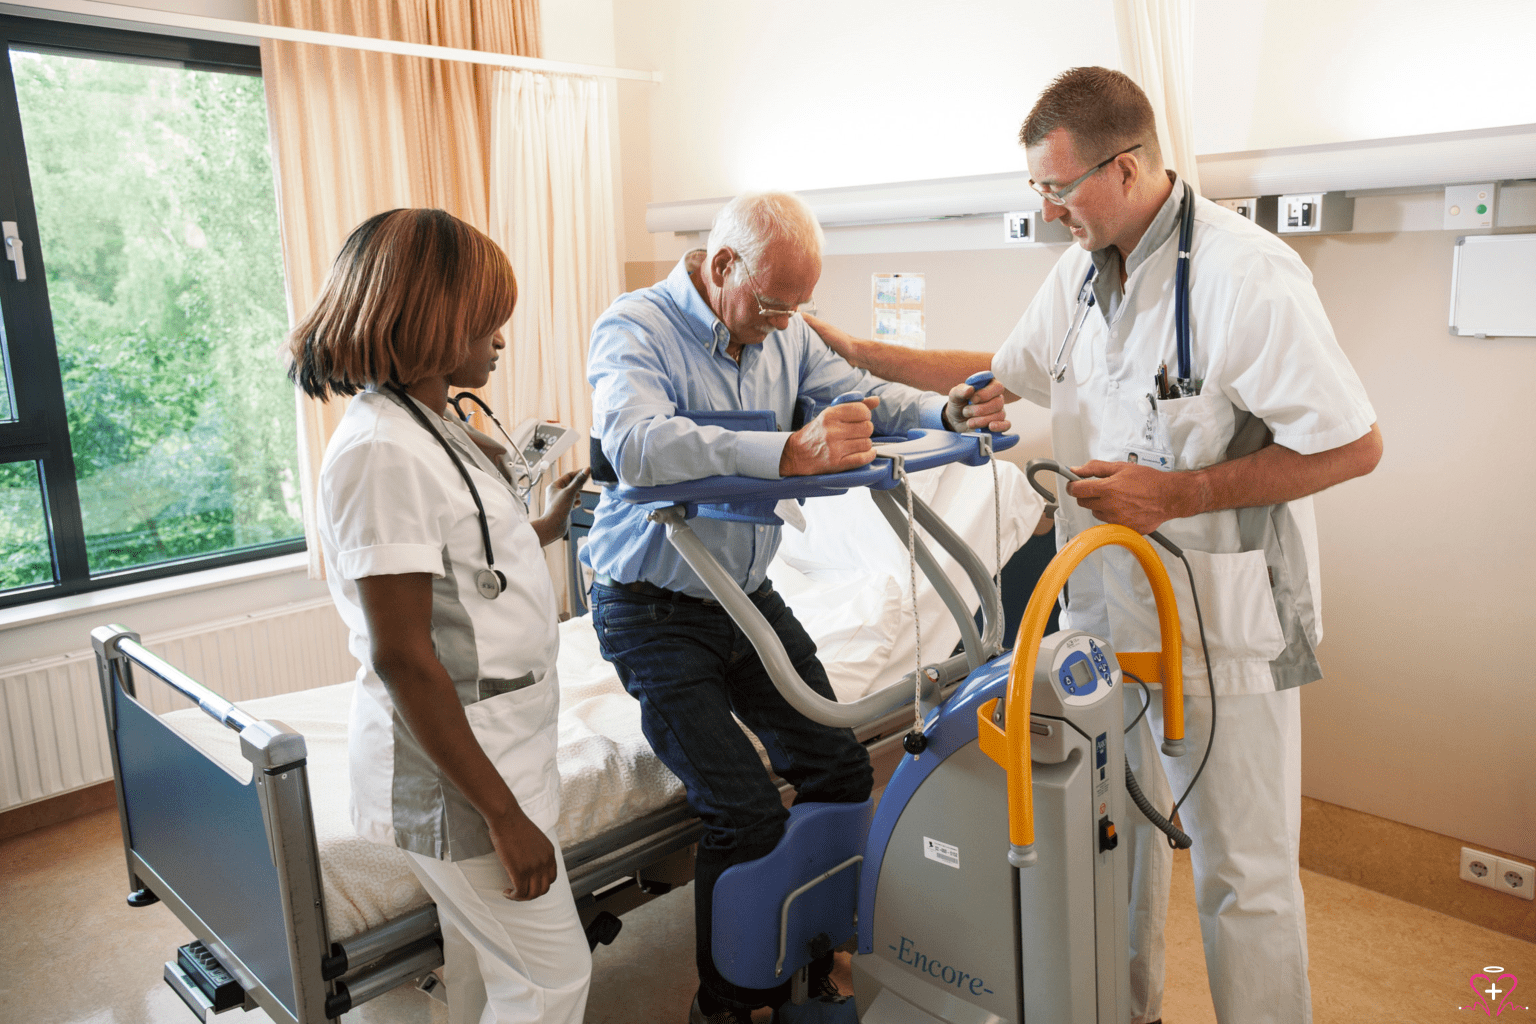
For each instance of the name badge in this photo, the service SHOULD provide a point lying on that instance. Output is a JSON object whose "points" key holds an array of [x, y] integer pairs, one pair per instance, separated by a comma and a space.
{"points": [[1149, 457]]}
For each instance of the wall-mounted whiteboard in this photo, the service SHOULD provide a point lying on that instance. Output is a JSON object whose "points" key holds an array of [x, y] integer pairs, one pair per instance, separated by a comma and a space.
{"points": [[1491, 286]]}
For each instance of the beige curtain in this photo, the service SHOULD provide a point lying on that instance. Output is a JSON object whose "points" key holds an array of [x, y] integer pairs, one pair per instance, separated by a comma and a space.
{"points": [[1157, 51], [552, 210], [355, 133]]}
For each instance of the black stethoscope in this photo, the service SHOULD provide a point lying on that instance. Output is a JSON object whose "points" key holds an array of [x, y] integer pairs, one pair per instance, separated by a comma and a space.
{"points": [[1184, 382], [490, 581]]}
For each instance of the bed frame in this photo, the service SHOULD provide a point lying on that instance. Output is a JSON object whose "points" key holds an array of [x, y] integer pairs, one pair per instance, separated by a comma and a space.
{"points": [[238, 864]]}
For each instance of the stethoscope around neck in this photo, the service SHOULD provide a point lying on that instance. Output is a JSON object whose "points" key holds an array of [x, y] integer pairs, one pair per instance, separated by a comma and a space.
{"points": [[490, 581], [1183, 382]]}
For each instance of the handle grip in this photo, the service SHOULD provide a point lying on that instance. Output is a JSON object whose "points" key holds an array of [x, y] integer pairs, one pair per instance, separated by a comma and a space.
{"points": [[848, 396], [979, 380]]}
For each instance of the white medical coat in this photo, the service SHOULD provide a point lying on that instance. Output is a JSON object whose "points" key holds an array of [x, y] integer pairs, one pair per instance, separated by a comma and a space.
{"points": [[1269, 359], [391, 501]]}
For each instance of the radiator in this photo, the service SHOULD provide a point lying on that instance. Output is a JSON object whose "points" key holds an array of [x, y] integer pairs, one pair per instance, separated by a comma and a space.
{"points": [[51, 722]]}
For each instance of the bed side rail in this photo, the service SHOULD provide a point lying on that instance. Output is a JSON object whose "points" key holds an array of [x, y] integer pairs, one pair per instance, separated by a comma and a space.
{"points": [[235, 861]]}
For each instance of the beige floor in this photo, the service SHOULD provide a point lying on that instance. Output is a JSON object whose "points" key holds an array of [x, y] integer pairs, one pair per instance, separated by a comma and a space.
{"points": [[74, 953]]}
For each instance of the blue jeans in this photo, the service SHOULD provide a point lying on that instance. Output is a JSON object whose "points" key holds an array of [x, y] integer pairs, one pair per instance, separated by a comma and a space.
{"points": [[690, 667]]}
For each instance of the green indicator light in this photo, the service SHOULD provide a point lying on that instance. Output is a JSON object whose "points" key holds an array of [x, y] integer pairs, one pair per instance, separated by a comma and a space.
{"points": [[1482, 207]]}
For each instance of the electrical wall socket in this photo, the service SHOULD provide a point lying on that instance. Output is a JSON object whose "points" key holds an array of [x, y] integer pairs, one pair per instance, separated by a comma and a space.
{"points": [[1242, 207], [1478, 867], [1022, 227], [1017, 226], [1321, 213], [1513, 877]]}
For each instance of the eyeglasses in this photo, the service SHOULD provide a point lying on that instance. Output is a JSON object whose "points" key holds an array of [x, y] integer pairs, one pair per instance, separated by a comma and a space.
{"points": [[763, 309], [1058, 196]]}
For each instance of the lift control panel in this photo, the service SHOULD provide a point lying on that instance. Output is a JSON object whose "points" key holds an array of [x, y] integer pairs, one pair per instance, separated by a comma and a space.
{"points": [[1081, 668]]}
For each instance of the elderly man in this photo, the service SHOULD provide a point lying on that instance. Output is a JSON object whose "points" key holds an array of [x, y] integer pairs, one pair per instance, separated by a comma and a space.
{"points": [[720, 334], [1219, 451]]}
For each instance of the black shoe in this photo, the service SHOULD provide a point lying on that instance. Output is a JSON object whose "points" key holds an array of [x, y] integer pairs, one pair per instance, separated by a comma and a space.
{"points": [[824, 988], [725, 1016]]}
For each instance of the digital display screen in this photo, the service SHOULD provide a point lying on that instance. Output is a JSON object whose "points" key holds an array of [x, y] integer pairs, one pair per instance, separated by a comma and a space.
{"points": [[1082, 674]]}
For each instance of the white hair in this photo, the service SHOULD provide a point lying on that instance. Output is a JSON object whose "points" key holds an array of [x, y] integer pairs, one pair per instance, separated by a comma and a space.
{"points": [[752, 221]]}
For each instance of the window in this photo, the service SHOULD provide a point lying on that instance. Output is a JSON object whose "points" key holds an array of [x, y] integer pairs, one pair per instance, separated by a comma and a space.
{"points": [[146, 424]]}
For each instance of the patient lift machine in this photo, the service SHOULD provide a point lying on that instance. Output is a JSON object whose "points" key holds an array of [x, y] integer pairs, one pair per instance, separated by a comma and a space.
{"points": [[960, 915]]}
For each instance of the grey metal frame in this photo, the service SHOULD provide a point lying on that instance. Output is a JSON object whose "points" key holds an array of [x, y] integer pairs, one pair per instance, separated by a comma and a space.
{"points": [[979, 648]]}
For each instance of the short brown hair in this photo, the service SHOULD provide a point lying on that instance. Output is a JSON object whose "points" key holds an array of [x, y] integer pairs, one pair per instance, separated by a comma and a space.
{"points": [[1102, 110], [408, 293]]}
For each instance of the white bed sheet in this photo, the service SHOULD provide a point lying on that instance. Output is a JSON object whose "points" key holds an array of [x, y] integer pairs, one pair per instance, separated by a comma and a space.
{"points": [[846, 579]]}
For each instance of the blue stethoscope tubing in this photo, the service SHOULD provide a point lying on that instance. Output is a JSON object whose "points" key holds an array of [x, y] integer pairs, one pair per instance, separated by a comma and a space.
{"points": [[1085, 302], [1181, 286]]}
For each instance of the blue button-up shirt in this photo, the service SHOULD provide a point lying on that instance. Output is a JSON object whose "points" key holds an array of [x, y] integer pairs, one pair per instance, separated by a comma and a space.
{"points": [[660, 351]]}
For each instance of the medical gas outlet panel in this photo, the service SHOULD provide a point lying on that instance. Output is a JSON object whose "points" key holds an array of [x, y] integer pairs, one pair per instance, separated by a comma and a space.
{"points": [[1304, 213]]}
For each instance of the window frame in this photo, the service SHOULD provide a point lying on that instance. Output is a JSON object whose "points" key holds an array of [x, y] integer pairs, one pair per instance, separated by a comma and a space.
{"points": [[39, 428]]}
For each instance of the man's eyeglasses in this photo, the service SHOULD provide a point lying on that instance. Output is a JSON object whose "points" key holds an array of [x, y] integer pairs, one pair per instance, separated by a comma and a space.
{"points": [[764, 310], [1058, 196]]}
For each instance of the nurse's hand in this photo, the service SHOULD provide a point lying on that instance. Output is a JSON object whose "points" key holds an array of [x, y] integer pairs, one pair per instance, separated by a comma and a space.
{"points": [[527, 855], [1130, 495], [970, 409], [559, 498], [836, 440]]}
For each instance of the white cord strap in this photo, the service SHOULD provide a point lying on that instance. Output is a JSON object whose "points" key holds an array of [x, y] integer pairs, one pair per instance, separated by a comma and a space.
{"points": [[997, 535]]}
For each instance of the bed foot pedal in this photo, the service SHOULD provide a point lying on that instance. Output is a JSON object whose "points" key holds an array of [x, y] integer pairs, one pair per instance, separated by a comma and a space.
{"points": [[603, 929], [202, 982], [142, 898]]}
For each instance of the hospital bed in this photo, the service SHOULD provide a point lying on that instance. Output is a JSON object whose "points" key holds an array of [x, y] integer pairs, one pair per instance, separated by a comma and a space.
{"points": [[236, 817]]}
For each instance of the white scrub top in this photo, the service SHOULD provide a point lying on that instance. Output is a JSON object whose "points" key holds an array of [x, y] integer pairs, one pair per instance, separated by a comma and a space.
{"points": [[391, 501], [1269, 359]]}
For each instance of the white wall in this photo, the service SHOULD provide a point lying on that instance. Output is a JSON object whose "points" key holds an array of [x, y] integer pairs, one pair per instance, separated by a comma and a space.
{"points": [[805, 94], [1427, 711], [1278, 73]]}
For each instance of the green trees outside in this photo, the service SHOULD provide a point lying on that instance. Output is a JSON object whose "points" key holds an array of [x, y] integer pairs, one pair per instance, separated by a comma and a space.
{"points": [[158, 220]]}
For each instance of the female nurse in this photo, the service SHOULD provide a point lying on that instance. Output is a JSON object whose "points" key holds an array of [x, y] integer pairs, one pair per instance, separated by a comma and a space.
{"points": [[436, 567]]}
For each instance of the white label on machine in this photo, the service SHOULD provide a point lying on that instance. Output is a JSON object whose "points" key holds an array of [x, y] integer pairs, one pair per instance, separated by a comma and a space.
{"points": [[942, 852]]}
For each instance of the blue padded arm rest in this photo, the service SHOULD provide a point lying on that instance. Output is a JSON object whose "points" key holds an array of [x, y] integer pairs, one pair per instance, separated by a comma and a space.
{"points": [[922, 449]]}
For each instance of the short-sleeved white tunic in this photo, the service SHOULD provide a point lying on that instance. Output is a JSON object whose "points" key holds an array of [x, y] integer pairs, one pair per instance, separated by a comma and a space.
{"points": [[391, 501], [1263, 346]]}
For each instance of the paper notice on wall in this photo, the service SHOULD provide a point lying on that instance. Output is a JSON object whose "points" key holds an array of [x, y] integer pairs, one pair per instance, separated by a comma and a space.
{"points": [[898, 309]]}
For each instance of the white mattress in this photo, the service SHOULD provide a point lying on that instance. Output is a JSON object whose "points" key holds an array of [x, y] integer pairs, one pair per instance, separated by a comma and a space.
{"points": [[846, 578]]}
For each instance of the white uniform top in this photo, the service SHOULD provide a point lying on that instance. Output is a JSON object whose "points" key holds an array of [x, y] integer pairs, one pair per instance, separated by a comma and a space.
{"points": [[1268, 357], [391, 501]]}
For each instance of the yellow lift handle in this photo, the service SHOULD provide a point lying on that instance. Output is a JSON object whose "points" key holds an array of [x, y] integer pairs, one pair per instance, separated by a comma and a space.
{"points": [[1009, 745]]}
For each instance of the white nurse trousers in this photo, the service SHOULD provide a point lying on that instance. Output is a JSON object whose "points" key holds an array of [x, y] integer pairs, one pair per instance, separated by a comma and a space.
{"points": [[506, 962], [1244, 816]]}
